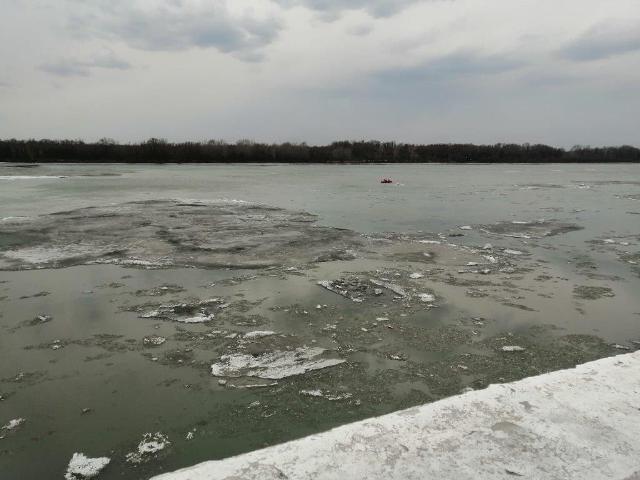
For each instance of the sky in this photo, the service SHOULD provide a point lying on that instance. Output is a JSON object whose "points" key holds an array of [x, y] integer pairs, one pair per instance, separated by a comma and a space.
{"points": [[560, 72]]}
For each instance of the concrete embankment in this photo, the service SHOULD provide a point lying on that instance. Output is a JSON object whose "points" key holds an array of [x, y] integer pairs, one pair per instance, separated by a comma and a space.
{"points": [[582, 423]]}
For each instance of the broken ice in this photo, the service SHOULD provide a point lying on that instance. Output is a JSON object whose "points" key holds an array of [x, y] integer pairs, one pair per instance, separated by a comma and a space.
{"points": [[82, 467], [273, 365]]}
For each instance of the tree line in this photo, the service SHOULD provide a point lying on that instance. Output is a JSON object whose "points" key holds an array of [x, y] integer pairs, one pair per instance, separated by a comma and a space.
{"points": [[157, 150]]}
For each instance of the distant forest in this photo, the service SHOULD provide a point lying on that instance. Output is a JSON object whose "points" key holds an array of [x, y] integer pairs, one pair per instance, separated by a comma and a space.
{"points": [[160, 151]]}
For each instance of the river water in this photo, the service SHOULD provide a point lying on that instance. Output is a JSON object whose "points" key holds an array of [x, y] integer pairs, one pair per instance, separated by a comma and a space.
{"points": [[564, 238]]}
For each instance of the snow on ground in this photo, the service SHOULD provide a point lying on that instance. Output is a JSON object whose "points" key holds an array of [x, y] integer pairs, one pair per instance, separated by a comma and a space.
{"points": [[570, 424]]}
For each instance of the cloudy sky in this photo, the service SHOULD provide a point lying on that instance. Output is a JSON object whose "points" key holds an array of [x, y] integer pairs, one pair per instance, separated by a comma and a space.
{"points": [[562, 72]]}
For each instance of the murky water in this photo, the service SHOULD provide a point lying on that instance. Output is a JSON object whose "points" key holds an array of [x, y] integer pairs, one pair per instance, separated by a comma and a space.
{"points": [[75, 366]]}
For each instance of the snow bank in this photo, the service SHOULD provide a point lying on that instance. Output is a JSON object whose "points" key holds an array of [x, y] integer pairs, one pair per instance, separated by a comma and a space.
{"points": [[571, 424]]}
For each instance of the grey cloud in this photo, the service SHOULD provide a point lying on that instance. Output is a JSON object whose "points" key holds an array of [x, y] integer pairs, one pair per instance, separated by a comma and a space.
{"points": [[361, 30], [69, 67], [434, 85], [603, 41], [172, 25], [449, 67], [378, 8]]}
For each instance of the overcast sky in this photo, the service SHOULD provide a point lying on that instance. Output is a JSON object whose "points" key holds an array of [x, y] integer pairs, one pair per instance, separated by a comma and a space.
{"points": [[561, 72]]}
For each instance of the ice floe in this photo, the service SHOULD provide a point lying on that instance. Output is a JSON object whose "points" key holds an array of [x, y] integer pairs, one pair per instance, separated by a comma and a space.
{"points": [[82, 467], [13, 424], [326, 395], [426, 297], [153, 341], [258, 334], [151, 444], [273, 365], [199, 318], [390, 286], [512, 348]]}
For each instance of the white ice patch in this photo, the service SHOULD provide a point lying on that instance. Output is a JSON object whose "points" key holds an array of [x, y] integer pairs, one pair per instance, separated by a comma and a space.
{"points": [[13, 424], [512, 348], [333, 397], [426, 297], [199, 318], [15, 219], [465, 227], [513, 252], [416, 276], [390, 286], [135, 262], [154, 340], [30, 177], [213, 201], [273, 365], [82, 467], [329, 285], [36, 255], [150, 444], [259, 334]]}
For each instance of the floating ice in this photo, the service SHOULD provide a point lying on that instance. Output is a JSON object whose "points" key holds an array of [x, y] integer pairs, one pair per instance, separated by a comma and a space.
{"points": [[153, 340], [259, 334], [426, 297], [82, 467], [390, 286], [329, 285], [513, 252], [416, 276], [465, 227], [31, 177], [199, 318], [150, 444], [512, 348], [13, 424], [39, 255], [273, 365], [311, 393], [326, 395]]}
